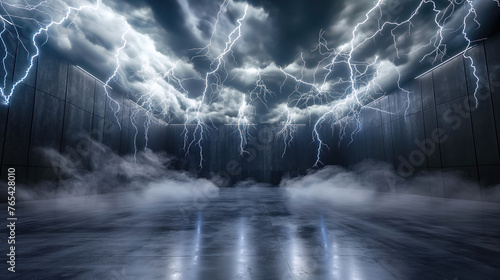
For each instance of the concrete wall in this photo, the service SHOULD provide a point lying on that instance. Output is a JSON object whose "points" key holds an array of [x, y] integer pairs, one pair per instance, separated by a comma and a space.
{"points": [[264, 159], [441, 130], [61, 107]]}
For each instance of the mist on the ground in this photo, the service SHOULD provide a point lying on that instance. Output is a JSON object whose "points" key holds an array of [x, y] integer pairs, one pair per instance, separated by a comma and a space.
{"points": [[148, 175], [375, 185]]}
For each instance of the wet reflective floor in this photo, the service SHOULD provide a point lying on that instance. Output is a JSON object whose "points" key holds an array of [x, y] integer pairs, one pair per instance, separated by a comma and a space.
{"points": [[254, 233]]}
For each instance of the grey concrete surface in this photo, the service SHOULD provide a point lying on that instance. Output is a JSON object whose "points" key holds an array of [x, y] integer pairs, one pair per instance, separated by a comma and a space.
{"points": [[447, 125], [256, 233]]}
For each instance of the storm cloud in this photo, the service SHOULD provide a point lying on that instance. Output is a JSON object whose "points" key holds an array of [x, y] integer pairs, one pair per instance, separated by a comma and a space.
{"points": [[172, 49]]}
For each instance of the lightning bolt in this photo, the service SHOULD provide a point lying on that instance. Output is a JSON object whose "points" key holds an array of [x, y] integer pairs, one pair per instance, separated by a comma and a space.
{"points": [[361, 84], [155, 97], [114, 76], [287, 132], [6, 95], [243, 125], [205, 51], [164, 93], [194, 113], [4, 57], [260, 91], [157, 100], [341, 97], [133, 121], [471, 13]]}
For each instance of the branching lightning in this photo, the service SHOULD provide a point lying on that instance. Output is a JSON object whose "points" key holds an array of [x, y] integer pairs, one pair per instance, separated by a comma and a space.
{"points": [[471, 13], [361, 85], [287, 132], [243, 125], [334, 92], [70, 12], [260, 91], [211, 89], [114, 75]]}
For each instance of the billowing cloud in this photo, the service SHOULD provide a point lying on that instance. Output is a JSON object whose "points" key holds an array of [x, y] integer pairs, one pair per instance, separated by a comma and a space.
{"points": [[280, 60]]}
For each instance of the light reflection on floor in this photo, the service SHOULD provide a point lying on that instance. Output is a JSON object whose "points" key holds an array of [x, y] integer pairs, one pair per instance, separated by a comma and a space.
{"points": [[256, 233]]}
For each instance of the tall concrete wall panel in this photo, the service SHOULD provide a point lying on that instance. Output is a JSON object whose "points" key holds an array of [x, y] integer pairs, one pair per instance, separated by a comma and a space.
{"points": [[18, 132], [450, 126], [266, 156], [52, 75], [47, 127], [60, 108]]}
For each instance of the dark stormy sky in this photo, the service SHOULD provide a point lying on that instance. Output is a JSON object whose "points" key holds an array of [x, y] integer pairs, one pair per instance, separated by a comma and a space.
{"points": [[279, 39]]}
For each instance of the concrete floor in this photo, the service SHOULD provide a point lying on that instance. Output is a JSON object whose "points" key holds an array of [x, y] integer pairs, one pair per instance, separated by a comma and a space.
{"points": [[255, 233]]}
